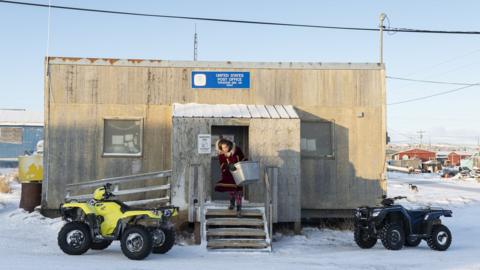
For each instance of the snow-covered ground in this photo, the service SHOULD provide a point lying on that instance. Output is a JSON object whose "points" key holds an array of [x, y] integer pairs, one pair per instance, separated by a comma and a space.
{"points": [[28, 241]]}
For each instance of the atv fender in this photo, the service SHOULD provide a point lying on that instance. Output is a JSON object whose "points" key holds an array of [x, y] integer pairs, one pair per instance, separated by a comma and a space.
{"points": [[399, 212], [136, 213], [86, 208], [155, 215], [437, 214]]}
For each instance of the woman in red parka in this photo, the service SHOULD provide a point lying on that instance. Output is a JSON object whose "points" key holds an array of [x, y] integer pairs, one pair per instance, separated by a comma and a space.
{"points": [[229, 154]]}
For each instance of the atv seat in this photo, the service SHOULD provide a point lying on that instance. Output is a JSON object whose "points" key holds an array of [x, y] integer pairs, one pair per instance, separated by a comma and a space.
{"points": [[123, 207]]}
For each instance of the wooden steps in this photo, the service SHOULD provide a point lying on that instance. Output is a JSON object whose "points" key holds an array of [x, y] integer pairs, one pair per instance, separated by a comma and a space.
{"points": [[237, 222], [232, 213], [224, 230], [237, 232], [236, 243]]}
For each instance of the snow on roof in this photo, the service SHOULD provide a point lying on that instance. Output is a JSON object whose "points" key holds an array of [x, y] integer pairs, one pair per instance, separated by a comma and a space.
{"points": [[20, 118], [234, 111]]}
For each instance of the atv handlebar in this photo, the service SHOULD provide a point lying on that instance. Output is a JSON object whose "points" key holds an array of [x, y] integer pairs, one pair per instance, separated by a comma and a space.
{"points": [[390, 201], [108, 193]]}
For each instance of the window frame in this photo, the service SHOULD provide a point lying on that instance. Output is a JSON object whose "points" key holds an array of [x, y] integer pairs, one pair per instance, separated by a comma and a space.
{"points": [[139, 154], [332, 141]]}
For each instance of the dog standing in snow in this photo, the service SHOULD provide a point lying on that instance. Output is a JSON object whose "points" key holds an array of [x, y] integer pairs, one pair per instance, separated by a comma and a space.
{"points": [[413, 188]]}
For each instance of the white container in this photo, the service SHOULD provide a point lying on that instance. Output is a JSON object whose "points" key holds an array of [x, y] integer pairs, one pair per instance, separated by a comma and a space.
{"points": [[247, 172]]}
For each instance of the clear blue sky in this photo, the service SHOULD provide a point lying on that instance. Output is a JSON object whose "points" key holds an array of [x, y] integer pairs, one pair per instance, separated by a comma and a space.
{"points": [[23, 33]]}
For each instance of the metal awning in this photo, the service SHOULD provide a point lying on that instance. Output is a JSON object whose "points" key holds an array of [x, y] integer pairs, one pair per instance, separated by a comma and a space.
{"points": [[234, 111]]}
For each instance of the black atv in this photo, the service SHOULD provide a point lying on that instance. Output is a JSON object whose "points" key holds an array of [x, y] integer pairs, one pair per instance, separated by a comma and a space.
{"points": [[397, 226]]}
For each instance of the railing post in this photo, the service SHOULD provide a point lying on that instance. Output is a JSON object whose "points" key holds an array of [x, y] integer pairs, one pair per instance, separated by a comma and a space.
{"points": [[192, 195], [201, 198], [268, 201], [267, 194], [274, 193], [169, 180]]}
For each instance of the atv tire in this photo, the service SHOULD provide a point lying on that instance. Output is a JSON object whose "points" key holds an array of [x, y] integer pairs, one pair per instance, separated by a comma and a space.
{"points": [[393, 236], [364, 240], [74, 238], [412, 243], [101, 245], [136, 243], [440, 238], [163, 239]]}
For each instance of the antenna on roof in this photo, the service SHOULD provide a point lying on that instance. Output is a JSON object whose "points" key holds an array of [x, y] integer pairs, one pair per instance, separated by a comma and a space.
{"points": [[195, 44]]}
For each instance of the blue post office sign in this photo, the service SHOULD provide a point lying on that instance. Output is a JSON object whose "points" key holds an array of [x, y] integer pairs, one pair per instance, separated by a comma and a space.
{"points": [[220, 79]]}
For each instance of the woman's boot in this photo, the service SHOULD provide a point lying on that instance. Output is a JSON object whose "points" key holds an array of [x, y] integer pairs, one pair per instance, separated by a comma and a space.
{"points": [[232, 202], [238, 198]]}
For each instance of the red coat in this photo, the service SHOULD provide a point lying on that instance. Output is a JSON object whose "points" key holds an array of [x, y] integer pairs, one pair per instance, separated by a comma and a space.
{"points": [[227, 183]]}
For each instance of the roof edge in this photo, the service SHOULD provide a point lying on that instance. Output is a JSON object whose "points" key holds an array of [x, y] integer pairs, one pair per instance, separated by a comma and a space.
{"points": [[55, 60]]}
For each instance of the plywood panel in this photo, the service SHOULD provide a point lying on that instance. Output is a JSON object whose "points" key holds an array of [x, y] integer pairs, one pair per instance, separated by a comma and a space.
{"points": [[276, 142]]}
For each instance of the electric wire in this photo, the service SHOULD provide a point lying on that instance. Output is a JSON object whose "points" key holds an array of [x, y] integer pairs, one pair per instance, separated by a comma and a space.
{"points": [[390, 29]]}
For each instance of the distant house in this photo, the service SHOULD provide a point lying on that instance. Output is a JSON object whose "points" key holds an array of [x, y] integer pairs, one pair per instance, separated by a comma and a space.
{"points": [[455, 157], [471, 162], [442, 156], [390, 153], [416, 153], [20, 131]]}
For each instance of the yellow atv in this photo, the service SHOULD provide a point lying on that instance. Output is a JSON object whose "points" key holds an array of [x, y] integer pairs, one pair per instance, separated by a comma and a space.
{"points": [[96, 223]]}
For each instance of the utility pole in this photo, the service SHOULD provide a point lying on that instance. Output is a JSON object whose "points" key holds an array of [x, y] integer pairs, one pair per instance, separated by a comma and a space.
{"points": [[382, 18], [478, 143], [420, 134], [195, 44]]}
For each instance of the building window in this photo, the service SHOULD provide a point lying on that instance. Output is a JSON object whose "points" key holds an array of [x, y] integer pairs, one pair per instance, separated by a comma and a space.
{"points": [[122, 137], [11, 135], [317, 139]]}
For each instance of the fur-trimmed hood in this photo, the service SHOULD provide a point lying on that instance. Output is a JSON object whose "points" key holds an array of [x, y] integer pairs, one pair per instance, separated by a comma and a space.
{"points": [[229, 153]]}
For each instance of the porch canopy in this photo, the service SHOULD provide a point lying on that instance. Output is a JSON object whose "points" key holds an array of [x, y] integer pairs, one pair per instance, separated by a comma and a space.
{"points": [[234, 111]]}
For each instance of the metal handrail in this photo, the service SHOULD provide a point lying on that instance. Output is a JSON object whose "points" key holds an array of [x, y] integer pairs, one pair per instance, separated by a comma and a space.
{"points": [[121, 179], [75, 187], [268, 204]]}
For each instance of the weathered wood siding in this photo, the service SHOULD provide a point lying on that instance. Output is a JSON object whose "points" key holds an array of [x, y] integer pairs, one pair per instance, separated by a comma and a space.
{"points": [[79, 93], [276, 142], [272, 142]]}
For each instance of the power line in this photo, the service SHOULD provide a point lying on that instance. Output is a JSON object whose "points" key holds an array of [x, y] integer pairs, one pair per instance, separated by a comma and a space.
{"points": [[428, 81], [389, 29], [410, 135], [444, 62], [439, 64], [434, 95]]}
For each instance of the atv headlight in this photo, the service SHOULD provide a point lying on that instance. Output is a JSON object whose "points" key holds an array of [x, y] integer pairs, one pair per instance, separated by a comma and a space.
{"points": [[167, 212], [376, 212]]}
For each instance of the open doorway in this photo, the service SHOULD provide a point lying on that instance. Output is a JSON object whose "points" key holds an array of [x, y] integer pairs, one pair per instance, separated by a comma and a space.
{"points": [[236, 134]]}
